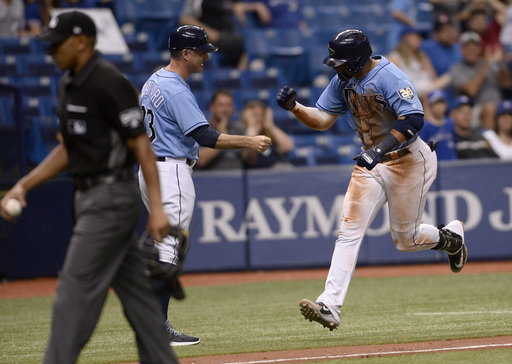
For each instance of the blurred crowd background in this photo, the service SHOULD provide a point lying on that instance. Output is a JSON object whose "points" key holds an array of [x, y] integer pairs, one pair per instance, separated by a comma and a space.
{"points": [[458, 54]]}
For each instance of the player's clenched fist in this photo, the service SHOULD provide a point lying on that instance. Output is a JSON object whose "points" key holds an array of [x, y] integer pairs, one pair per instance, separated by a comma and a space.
{"points": [[286, 98], [260, 143], [370, 158]]}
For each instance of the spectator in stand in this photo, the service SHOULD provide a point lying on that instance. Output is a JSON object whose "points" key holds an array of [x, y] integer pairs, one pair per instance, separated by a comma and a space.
{"points": [[12, 18], [216, 17], [438, 127], [285, 13], [500, 138], [258, 118], [37, 13], [506, 30], [84, 4], [443, 48], [222, 107], [404, 14], [486, 19], [469, 141], [416, 64], [481, 78]]}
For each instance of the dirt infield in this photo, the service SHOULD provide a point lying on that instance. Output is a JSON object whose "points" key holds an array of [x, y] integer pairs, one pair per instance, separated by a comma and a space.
{"points": [[46, 287]]}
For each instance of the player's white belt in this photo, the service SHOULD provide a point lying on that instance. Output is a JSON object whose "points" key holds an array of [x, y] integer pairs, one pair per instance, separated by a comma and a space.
{"points": [[188, 161]]}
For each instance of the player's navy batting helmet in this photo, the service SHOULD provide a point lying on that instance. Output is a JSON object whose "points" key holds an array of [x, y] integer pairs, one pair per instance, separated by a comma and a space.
{"points": [[351, 47], [190, 37]]}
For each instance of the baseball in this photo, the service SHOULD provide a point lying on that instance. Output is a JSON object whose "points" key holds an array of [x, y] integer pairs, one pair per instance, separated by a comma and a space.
{"points": [[13, 207]]}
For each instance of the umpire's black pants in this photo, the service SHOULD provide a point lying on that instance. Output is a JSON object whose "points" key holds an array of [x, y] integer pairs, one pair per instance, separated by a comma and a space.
{"points": [[102, 253]]}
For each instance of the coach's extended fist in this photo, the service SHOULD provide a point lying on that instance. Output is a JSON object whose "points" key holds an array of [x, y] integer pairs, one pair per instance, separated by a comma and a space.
{"points": [[260, 143], [286, 98]]}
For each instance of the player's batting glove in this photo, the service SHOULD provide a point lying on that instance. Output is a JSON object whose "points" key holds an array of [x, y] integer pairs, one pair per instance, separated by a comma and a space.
{"points": [[286, 98], [369, 158]]}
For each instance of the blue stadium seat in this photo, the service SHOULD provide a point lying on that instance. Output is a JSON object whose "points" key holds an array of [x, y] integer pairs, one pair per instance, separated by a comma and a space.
{"points": [[10, 65], [139, 42], [39, 64], [267, 78], [150, 62], [227, 78], [33, 86], [19, 45], [6, 112], [124, 62]]}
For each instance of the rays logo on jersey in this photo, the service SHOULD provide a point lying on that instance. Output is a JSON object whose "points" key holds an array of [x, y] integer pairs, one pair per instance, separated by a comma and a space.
{"points": [[406, 93], [364, 105]]}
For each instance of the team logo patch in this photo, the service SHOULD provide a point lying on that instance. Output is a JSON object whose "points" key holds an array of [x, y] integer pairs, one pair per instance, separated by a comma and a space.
{"points": [[77, 127], [131, 118], [406, 94]]}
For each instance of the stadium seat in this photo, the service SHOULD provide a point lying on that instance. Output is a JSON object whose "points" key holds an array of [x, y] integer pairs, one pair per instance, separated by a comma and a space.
{"points": [[10, 65], [140, 42], [33, 86], [227, 78], [39, 64], [150, 62], [122, 61], [268, 78], [6, 112], [18, 45]]}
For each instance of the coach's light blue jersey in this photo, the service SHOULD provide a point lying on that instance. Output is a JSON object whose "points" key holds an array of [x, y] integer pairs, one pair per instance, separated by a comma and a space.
{"points": [[373, 103], [170, 113]]}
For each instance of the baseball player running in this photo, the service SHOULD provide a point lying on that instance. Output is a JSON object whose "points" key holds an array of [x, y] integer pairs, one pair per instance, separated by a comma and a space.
{"points": [[176, 127], [395, 165]]}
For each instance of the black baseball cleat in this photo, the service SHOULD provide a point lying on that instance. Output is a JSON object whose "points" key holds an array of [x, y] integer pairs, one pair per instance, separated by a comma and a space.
{"points": [[458, 258], [177, 338], [318, 312]]}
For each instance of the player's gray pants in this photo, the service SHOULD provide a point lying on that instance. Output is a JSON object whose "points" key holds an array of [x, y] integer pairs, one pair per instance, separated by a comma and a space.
{"points": [[403, 184], [103, 253]]}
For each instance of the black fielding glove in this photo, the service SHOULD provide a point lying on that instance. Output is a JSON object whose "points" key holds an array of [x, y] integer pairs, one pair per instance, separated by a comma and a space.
{"points": [[286, 98]]}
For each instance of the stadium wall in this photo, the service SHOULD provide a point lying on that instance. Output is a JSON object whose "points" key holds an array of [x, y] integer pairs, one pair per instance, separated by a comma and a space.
{"points": [[279, 219]]}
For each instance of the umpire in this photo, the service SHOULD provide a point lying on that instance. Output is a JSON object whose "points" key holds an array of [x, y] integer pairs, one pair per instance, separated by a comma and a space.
{"points": [[102, 136]]}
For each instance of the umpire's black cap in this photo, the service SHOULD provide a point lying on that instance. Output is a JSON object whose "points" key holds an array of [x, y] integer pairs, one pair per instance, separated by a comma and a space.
{"points": [[191, 37], [64, 25]]}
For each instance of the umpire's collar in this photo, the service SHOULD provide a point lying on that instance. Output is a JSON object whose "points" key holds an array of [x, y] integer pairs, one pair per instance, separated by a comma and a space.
{"points": [[79, 78]]}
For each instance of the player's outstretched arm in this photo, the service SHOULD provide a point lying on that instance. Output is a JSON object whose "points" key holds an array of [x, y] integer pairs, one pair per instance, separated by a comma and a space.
{"points": [[258, 143], [310, 116]]}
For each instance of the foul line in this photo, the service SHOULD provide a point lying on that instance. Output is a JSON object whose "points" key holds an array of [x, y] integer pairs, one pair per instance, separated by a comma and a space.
{"points": [[398, 352], [460, 313]]}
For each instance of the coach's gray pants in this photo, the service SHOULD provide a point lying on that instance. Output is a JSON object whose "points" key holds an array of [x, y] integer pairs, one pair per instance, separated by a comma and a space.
{"points": [[102, 253]]}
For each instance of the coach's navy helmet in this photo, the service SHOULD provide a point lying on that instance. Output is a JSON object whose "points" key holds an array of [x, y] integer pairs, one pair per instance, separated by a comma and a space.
{"points": [[191, 37], [351, 47]]}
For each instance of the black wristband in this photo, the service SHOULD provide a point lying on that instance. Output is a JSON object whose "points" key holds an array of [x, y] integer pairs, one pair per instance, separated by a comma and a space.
{"points": [[389, 142]]}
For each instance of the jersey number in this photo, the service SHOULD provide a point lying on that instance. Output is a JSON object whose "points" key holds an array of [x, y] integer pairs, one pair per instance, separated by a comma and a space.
{"points": [[148, 113]]}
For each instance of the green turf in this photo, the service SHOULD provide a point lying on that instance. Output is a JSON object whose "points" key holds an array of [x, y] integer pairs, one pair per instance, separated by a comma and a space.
{"points": [[264, 316]]}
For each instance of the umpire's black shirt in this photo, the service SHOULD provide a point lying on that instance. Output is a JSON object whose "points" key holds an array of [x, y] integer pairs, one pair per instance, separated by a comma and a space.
{"points": [[98, 110]]}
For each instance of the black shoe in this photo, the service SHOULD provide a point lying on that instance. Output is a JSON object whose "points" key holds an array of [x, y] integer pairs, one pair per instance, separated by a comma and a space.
{"points": [[177, 338]]}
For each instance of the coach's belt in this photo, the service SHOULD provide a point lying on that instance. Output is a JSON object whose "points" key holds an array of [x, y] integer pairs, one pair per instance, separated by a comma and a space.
{"points": [[391, 156], [187, 161], [83, 183]]}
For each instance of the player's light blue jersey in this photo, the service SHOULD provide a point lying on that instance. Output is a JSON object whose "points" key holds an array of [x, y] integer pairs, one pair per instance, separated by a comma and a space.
{"points": [[372, 104], [170, 113]]}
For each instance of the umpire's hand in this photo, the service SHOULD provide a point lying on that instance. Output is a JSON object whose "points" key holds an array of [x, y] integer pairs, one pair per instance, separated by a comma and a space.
{"points": [[158, 224]]}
